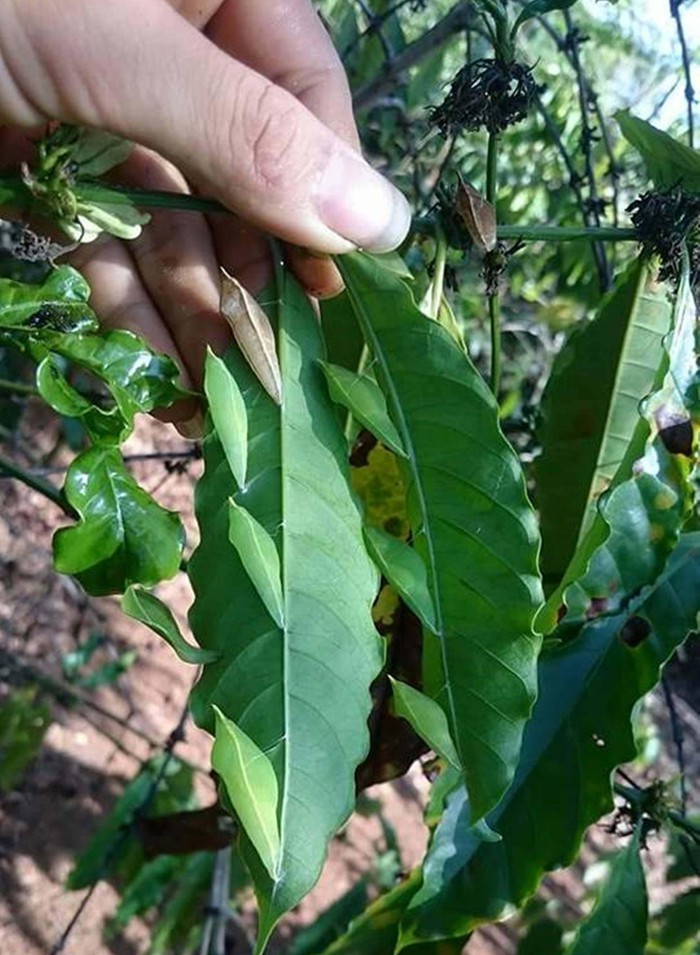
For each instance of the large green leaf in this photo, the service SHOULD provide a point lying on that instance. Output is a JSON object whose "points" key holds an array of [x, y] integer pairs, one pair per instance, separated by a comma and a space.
{"points": [[124, 537], [618, 923], [572, 743], [592, 430], [300, 692], [668, 161], [638, 521], [472, 525]]}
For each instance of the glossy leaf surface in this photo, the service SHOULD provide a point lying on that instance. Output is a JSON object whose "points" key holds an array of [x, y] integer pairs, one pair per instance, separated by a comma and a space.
{"points": [[571, 746], [151, 611], [300, 693], [618, 923], [59, 301], [124, 537], [472, 525]]}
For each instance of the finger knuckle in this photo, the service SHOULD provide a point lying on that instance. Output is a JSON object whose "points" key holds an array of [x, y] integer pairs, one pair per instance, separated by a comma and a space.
{"points": [[269, 132]]}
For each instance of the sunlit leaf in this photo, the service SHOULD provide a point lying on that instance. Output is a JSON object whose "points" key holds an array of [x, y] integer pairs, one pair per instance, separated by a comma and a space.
{"points": [[251, 785], [668, 161], [426, 718], [123, 537], [151, 611], [299, 692], [228, 414]]}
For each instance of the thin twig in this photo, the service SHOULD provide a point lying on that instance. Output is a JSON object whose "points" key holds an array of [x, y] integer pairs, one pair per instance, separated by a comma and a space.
{"points": [[675, 7], [49, 491], [588, 136], [461, 16], [176, 736], [678, 741]]}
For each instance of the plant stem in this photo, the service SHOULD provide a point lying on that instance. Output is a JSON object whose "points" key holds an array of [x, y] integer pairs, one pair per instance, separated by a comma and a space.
{"points": [[438, 282], [17, 388], [554, 233], [49, 491], [494, 301]]}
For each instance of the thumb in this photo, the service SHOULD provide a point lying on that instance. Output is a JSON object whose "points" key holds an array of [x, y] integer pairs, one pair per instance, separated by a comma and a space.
{"points": [[138, 69]]}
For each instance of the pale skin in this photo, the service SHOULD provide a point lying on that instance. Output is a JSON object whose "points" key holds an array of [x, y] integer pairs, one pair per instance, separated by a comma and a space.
{"points": [[242, 100]]}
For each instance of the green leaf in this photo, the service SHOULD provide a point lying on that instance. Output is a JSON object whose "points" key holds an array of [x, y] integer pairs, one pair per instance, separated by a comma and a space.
{"points": [[149, 610], [251, 785], [259, 556], [301, 692], [638, 522], [668, 161], [592, 429], [123, 537], [228, 414], [426, 718], [536, 8], [618, 923], [102, 424], [472, 525], [23, 724], [405, 571], [364, 400], [59, 302], [572, 743], [139, 378]]}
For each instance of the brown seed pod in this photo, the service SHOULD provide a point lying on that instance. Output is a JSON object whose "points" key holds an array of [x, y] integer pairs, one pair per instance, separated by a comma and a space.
{"points": [[253, 333], [478, 215]]}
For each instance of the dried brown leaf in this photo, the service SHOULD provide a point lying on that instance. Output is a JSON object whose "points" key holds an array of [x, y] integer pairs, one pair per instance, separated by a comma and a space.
{"points": [[253, 333]]}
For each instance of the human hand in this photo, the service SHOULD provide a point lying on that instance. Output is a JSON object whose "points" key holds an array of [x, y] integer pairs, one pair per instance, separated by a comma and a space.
{"points": [[238, 99]]}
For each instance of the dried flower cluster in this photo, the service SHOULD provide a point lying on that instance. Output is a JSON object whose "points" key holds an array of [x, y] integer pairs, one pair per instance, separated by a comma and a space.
{"points": [[486, 94]]}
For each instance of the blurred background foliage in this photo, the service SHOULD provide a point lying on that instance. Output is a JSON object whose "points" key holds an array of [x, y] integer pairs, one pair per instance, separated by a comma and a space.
{"points": [[566, 164]]}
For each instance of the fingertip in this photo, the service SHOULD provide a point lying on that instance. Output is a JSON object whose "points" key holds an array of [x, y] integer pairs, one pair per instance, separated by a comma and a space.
{"points": [[316, 273]]}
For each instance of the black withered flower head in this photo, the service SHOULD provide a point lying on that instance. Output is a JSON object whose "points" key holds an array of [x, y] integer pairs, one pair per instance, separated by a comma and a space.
{"points": [[486, 94], [665, 221]]}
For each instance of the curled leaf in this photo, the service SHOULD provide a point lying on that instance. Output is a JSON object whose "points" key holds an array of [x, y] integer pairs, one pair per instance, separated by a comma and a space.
{"points": [[478, 215], [253, 333]]}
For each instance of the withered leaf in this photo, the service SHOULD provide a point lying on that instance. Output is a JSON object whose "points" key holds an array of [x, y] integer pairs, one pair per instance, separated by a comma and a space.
{"points": [[478, 215], [253, 333]]}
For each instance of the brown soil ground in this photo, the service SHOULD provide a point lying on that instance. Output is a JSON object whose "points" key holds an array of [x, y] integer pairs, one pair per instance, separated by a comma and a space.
{"points": [[88, 757]]}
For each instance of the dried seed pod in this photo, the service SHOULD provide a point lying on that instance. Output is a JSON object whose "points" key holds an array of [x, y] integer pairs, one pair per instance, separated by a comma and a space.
{"points": [[478, 215], [253, 333]]}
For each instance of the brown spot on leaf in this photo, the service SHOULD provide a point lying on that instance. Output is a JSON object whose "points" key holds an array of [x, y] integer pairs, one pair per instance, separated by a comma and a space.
{"points": [[635, 631]]}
